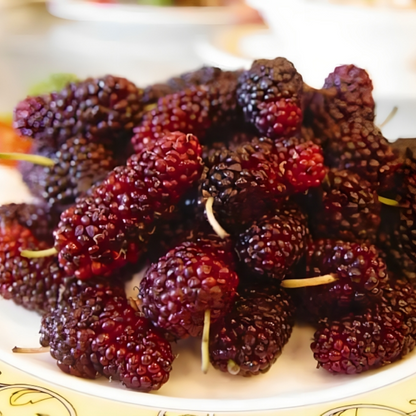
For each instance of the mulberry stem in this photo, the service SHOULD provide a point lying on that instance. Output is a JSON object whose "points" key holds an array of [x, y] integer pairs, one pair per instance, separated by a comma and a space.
{"points": [[390, 202], [205, 342], [310, 281], [134, 303], [232, 367], [36, 159], [389, 117], [212, 220], [38, 254], [30, 350]]}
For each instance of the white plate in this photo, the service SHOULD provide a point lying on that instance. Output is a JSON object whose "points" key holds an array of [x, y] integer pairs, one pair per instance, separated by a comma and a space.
{"points": [[128, 12], [292, 382]]}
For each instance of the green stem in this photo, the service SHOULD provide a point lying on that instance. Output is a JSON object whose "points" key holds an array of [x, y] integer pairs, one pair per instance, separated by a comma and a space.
{"points": [[38, 254], [205, 342], [30, 350], [212, 220], [388, 201], [232, 367], [310, 281], [36, 159], [389, 117]]}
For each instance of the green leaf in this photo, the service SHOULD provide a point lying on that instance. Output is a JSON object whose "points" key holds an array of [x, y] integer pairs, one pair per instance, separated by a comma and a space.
{"points": [[156, 2], [54, 82]]}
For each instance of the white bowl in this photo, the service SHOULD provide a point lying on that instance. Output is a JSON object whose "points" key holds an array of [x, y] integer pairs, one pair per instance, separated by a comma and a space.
{"points": [[317, 35]]}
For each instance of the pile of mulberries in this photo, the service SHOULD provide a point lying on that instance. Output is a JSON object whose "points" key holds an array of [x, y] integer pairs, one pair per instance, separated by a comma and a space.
{"points": [[251, 200], [85, 129]]}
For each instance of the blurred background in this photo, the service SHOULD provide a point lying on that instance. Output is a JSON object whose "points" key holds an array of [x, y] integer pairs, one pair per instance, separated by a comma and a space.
{"points": [[148, 41], [139, 40]]}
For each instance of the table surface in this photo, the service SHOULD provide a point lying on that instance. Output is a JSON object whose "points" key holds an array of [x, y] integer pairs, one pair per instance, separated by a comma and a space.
{"points": [[22, 394]]}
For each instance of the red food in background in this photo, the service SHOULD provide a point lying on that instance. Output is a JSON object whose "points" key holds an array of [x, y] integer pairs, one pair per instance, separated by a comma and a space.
{"points": [[10, 142]]}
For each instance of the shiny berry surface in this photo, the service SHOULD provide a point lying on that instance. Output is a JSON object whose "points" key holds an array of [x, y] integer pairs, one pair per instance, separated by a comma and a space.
{"points": [[177, 290], [249, 339]]}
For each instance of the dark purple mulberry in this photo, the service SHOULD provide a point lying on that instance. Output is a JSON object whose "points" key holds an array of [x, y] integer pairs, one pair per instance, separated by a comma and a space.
{"points": [[237, 178], [346, 209], [100, 333], [358, 145], [273, 244], [407, 225], [250, 338], [79, 164], [347, 92], [268, 81], [100, 109]]}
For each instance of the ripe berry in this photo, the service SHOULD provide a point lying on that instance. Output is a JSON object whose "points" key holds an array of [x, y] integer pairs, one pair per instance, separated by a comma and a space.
{"points": [[274, 243], [346, 209], [360, 342], [33, 283], [221, 87], [100, 109], [347, 92], [237, 178], [277, 119], [40, 219], [301, 164], [222, 93], [358, 145], [110, 228], [99, 332], [354, 90], [407, 225], [389, 240], [177, 290], [202, 76], [249, 339], [79, 164], [267, 81], [186, 111], [400, 295], [361, 275], [353, 93]]}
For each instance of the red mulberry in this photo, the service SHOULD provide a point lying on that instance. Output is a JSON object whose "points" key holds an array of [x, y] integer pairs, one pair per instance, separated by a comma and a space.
{"points": [[178, 289], [361, 275], [186, 111], [357, 343], [301, 164], [110, 228], [33, 283]]}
